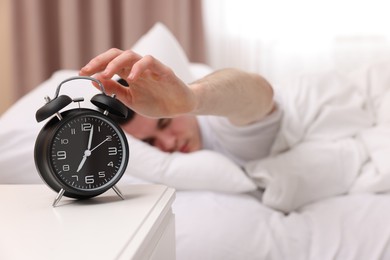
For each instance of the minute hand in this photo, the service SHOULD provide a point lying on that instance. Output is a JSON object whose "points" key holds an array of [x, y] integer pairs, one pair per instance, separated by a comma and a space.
{"points": [[90, 138], [105, 140]]}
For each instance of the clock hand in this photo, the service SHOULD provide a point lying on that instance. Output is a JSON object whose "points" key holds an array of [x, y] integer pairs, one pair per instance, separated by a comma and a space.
{"points": [[105, 140], [86, 152], [81, 163], [90, 138]]}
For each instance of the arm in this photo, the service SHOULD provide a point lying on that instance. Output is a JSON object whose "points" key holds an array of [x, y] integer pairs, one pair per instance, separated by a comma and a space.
{"points": [[155, 91], [240, 96]]}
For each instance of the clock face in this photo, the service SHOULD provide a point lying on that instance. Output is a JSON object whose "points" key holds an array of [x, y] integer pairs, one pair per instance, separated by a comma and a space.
{"points": [[88, 152]]}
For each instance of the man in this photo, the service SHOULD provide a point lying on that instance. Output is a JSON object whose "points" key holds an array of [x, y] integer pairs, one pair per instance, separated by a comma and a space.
{"points": [[242, 117]]}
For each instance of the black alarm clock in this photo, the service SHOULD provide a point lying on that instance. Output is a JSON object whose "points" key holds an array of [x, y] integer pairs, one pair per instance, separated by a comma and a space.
{"points": [[81, 153]]}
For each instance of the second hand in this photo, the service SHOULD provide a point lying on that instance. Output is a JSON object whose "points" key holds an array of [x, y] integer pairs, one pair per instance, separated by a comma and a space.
{"points": [[105, 140]]}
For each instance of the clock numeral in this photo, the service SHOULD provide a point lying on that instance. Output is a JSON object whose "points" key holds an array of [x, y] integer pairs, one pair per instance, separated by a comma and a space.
{"points": [[110, 164], [76, 176], [61, 155], [64, 141], [112, 151], [109, 138], [86, 127], [73, 131], [102, 174], [89, 179], [65, 167]]}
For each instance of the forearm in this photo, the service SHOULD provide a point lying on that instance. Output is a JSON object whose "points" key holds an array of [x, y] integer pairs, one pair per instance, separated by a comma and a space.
{"points": [[242, 97]]}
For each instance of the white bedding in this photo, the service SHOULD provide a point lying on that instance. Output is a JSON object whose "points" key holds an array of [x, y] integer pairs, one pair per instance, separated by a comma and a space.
{"points": [[335, 210], [334, 139], [224, 226]]}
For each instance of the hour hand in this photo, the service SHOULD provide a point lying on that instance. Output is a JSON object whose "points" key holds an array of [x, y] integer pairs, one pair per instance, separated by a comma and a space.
{"points": [[82, 163], [86, 154]]}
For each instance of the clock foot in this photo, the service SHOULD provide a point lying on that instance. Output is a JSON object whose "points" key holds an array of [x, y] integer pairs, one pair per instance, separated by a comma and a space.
{"points": [[58, 198], [118, 192]]}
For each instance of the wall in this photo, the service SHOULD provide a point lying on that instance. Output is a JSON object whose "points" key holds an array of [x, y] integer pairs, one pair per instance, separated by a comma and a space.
{"points": [[6, 95]]}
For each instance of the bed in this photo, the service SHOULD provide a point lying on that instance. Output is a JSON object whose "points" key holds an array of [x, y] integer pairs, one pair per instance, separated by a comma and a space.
{"points": [[322, 194]]}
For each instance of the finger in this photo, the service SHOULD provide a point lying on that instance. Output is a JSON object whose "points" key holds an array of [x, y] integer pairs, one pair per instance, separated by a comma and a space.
{"points": [[122, 64], [100, 62], [113, 87], [148, 63]]}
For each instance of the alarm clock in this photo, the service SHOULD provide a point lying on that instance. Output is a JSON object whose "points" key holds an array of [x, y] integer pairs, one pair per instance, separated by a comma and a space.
{"points": [[81, 153]]}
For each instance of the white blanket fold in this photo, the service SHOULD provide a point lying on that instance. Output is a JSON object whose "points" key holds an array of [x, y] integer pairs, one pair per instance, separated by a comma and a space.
{"points": [[334, 139], [309, 172]]}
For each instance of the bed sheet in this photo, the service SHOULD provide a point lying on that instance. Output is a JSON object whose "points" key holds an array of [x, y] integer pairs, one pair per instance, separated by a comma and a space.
{"points": [[213, 225]]}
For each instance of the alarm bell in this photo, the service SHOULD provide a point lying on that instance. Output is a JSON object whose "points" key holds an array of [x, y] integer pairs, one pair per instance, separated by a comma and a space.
{"points": [[52, 107]]}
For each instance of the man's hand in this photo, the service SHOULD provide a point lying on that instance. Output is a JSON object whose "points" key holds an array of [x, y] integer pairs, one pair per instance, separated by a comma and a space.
{"points": [[154, 90]]}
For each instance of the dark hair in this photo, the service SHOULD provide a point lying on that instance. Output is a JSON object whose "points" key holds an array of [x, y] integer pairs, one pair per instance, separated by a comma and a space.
{"points": [[130, 113]]}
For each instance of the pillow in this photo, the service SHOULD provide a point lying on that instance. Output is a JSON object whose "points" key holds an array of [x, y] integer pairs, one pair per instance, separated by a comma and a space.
{"points": [[205, 170], [162, 44]]}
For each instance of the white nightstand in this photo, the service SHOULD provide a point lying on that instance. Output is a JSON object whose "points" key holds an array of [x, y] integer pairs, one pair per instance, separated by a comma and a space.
{"points": [[140, 227]]}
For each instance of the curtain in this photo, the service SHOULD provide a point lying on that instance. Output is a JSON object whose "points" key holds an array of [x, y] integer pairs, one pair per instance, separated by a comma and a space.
{"points": [[282, 38], [6, 96], [49, 35]]}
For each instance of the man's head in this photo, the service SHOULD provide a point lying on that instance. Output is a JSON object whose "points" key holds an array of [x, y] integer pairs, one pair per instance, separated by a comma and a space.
{"points": [[179, 134]]}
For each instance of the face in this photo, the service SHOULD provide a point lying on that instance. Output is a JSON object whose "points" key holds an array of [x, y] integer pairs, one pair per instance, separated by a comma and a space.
{"points": [[91, 149], [179, 134]]}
